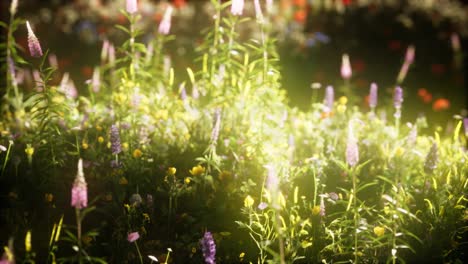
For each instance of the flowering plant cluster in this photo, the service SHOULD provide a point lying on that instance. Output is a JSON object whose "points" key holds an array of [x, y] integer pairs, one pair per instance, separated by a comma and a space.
{"points": [[210, 164]]}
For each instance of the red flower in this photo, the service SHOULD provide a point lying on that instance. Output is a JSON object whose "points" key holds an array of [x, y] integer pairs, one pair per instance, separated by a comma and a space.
{"points": [[300, 16], [394, 45], [441, 104]]}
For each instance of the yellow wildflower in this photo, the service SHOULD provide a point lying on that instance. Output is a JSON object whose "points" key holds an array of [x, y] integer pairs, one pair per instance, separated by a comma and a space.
{"points": [[187, 180], [29, 150], [197, 170], [248, 201], [171, 171], [98, 128], [343, 100], [241, 255], [399, 152], [137, 153], [316, 210], [125, 146], [84, 144], [341, 108], [379, 231], [100, 139]]}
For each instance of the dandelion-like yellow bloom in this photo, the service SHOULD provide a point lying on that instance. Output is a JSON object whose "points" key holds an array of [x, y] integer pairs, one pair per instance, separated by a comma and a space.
{"points": [[125, 146], [343, 100], [399, 152], [187, 180], [137, 153], [316, 210], [29, 150], [241, 255], [100, 139], [84, 145], [197, 170], [248, 201], [171, 171], [379, 231], [341, 108]]}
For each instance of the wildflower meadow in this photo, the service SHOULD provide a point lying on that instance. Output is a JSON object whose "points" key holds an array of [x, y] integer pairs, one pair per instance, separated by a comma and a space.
{"points": [[150, 163]]}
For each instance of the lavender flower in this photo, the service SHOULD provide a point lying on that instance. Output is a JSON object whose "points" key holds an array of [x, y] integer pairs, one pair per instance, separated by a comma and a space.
{"points": [[96, 81], [322, 206], [413, 135], [373, 95], [258, 12], [216, 126], [329, 98], [352, 151], [262, 206], [79, 191], [132, 6], [208, 248], [432, 159], [398, 97], [33, 43], [165, 25], [409, 56], [403, 71], [115, 140], [132, 237], [237, 7], [346, 71]]}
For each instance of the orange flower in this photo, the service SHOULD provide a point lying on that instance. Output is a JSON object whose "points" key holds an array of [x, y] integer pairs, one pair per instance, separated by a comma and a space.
{"points": [[441, 104], [422, 92], [300, 16]]}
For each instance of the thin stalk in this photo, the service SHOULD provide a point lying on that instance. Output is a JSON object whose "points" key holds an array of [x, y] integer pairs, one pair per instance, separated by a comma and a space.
{"points": [[6, 157], [78, 227], [139, 253], [215, 41], [356, 215]]}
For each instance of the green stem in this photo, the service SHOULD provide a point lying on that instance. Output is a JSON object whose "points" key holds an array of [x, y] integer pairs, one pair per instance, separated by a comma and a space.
{"points": [[356, 216], [6, 157], [78, 227], [139, 253], [215, 41]]}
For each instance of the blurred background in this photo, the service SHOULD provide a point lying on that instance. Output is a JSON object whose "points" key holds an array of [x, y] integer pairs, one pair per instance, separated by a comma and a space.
{"points": [[312, 37]]}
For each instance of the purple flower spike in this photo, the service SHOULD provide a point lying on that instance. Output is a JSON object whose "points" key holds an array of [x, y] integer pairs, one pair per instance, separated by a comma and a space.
{"points": [[33, 43], [209, 248], [352, 151], [132, 6], [79, 191], [373, 95], [237, 7], [115, 140], [432, 159], [165, 25], [398, 97], [329, 98]]}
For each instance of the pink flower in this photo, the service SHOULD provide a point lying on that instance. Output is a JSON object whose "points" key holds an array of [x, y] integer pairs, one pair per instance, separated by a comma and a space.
{"points": [[132, 6], [165, 25], [352, 150], [33, 43], [79, 198], [237, 7], [132, 237], [346, 71]]}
